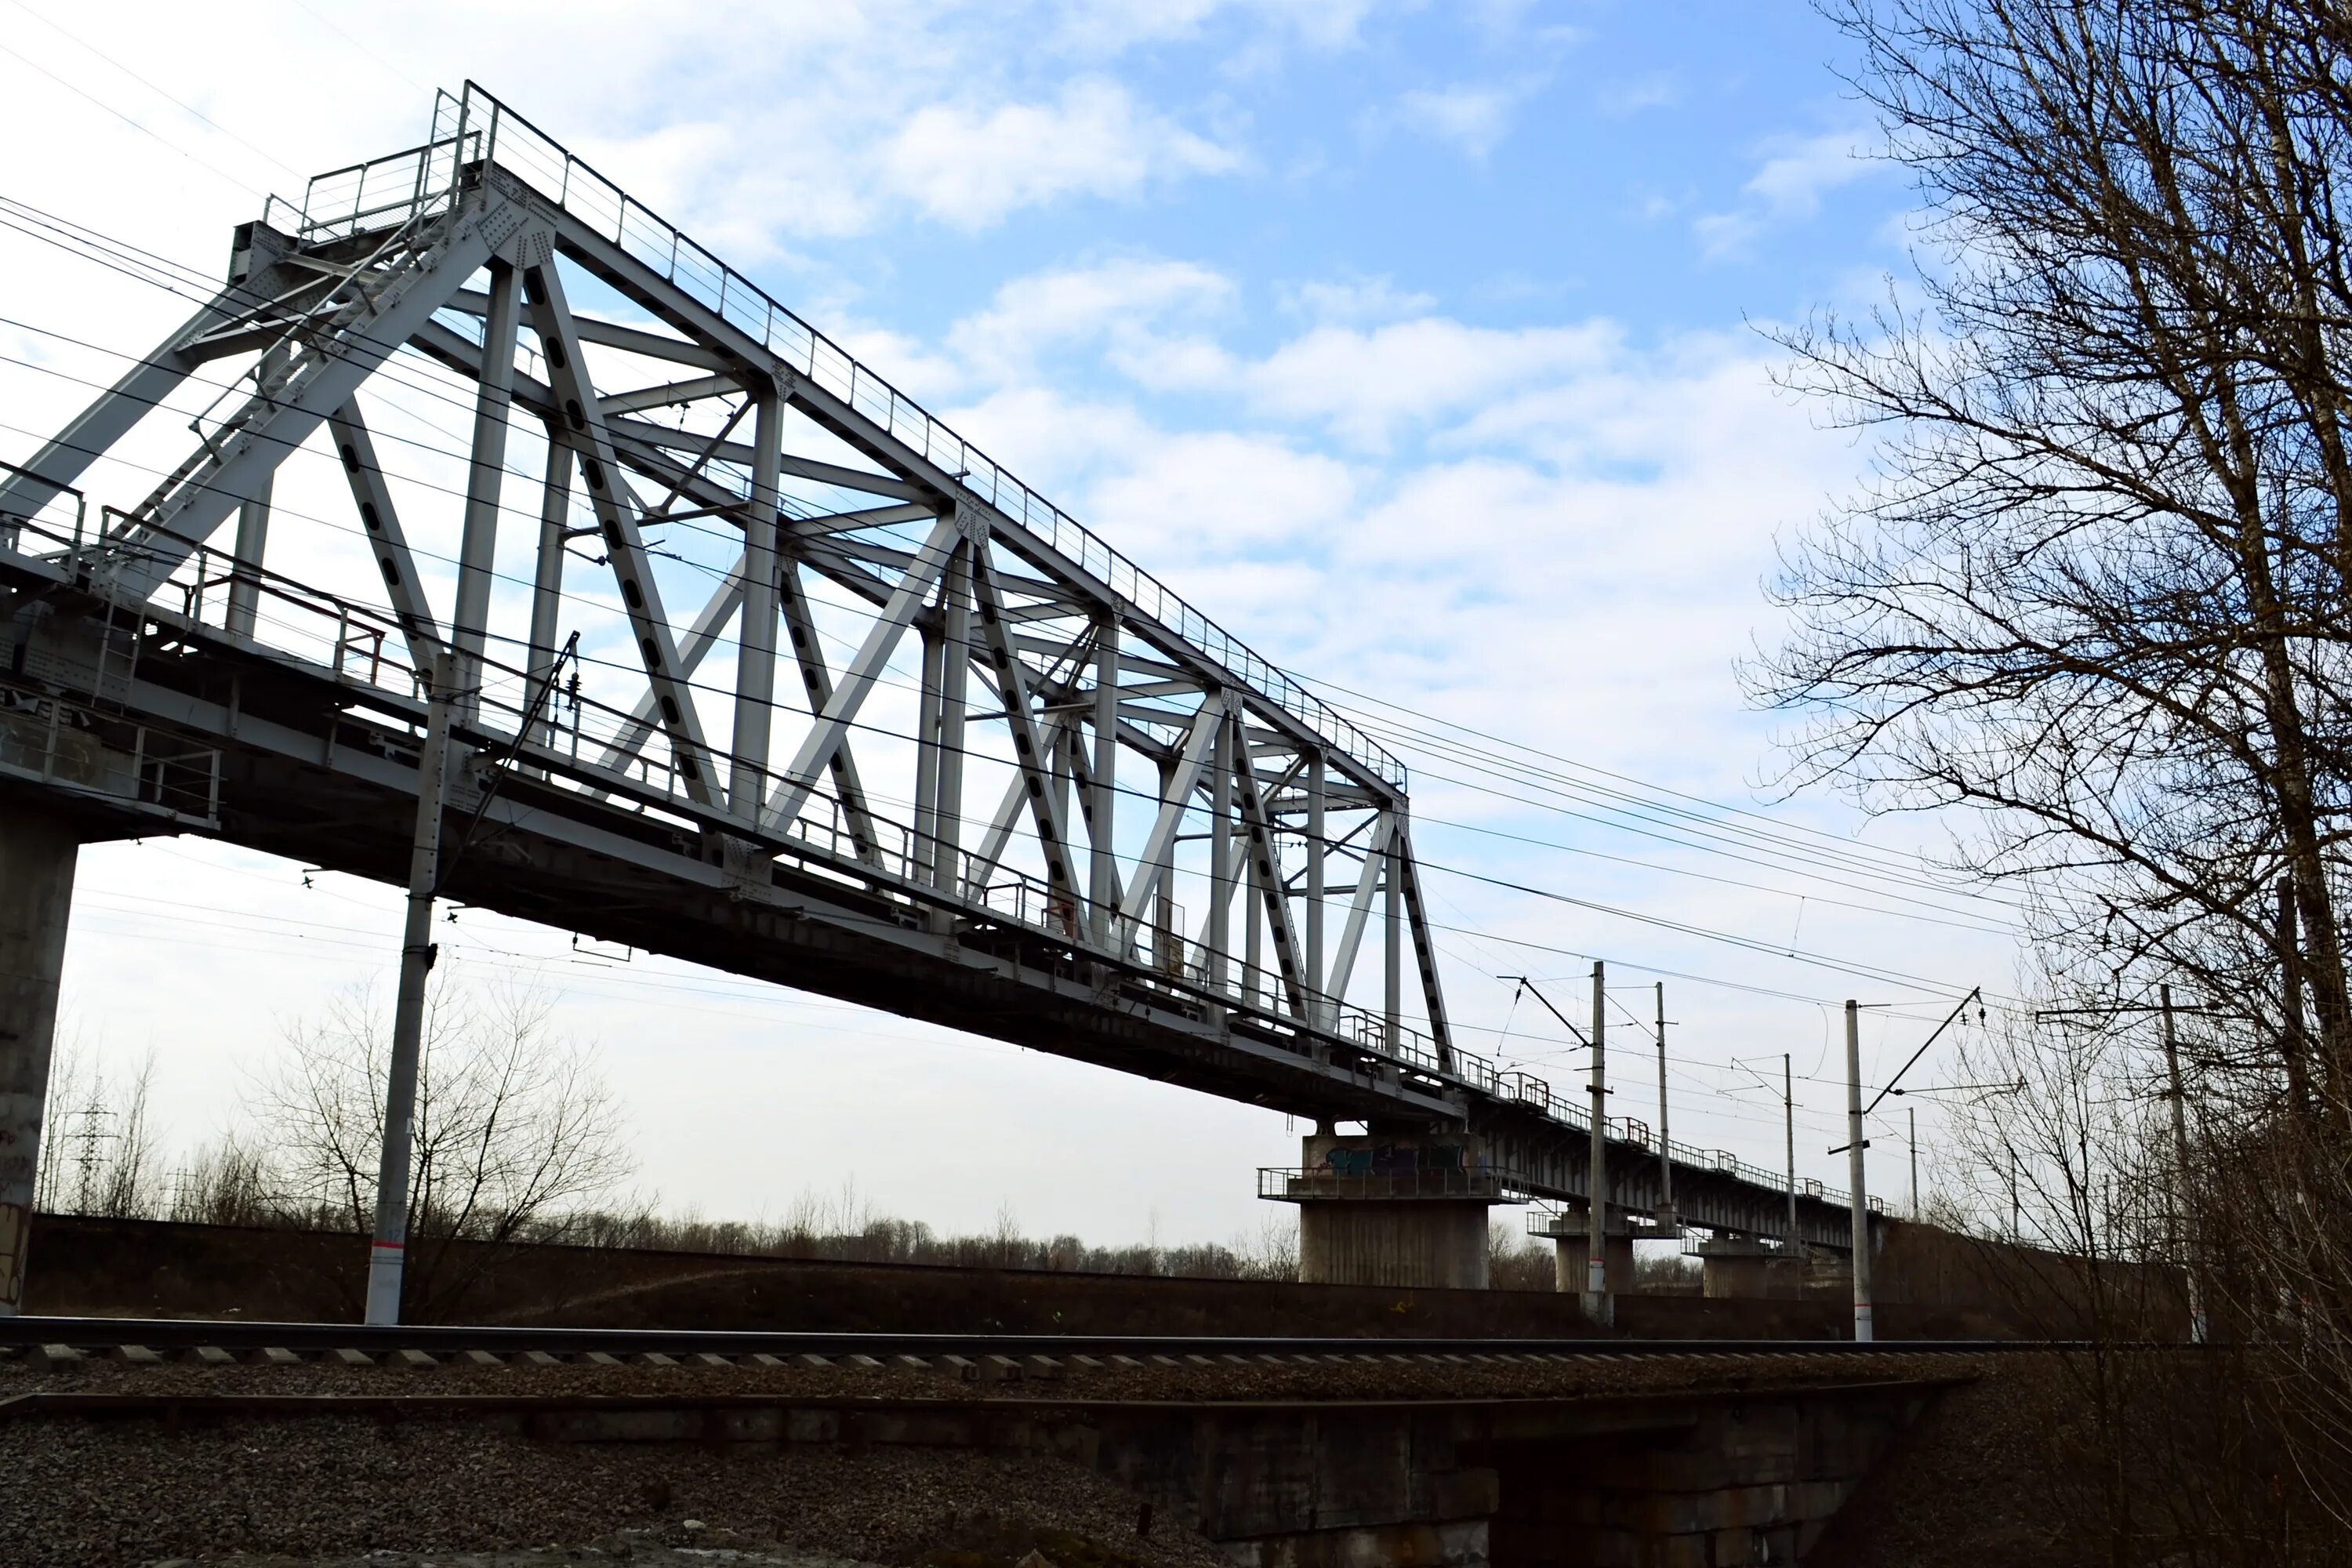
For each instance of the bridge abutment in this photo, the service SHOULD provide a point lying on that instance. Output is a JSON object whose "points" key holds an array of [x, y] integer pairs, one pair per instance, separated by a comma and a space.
{"points": [[1381, 1209], [38, 856]]}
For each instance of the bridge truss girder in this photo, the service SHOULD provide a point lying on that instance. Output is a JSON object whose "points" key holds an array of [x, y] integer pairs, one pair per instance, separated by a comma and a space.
{"points": [[642, 798]]}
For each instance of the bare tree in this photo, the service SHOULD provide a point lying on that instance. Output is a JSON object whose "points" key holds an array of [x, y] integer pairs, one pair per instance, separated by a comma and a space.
{"points": [[98, 1154], [516, 1135], [2097, 601]]}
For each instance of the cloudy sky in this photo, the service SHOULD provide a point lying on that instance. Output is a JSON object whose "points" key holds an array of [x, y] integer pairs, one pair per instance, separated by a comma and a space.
{"points": [[1418, 344]]}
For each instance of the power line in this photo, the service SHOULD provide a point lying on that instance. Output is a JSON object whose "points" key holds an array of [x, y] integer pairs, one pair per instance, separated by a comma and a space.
{"points": [[1684, 928]]}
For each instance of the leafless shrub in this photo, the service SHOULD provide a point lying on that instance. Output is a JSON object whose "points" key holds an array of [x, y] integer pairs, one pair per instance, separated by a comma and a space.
{"points": [[1517, 1261], [227, 1182], [98, 1153], [515, 1134]]}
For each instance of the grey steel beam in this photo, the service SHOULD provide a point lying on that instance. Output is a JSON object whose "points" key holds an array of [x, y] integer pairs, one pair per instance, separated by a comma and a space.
{"points": [[547, 578], [386, 543], [645, 721], [1175, 798], [1320, 1003], [632, 277], [477, 545], [816, 681], [825, 736], [612, 334], [669, 395], [182, 513], [994, 842], [1424, 947], [136, 392], [1219, 940], [755, 657], [252, 546], [1265, 876], [1102, 790], [1360, 908], [1030, 756], [1392, 930], [624, 547]]}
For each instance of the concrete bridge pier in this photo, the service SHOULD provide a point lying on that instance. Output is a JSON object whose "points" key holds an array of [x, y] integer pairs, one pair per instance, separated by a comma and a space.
{"points": [[38, 854], [1744, 1268], [1571, 1237], [1389, 1209]]}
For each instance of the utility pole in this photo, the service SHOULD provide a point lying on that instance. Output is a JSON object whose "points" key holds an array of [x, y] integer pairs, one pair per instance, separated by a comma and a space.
{"points": [[2180, 1168], [389, 1250], [1913, 1113], [1597, 1305], [1789, 1115], [1854, 1148], [1665, 1144]]}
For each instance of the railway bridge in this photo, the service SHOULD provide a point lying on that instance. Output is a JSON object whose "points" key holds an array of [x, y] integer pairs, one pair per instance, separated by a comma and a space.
{"points": [[697, 634]]}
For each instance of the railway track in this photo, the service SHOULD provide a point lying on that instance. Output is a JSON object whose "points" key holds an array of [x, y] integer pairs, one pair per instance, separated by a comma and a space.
{"points": [[67, 1339]]}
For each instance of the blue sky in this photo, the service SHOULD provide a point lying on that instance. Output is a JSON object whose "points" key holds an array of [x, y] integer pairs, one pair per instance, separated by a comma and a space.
{"points": [[1673, 167], [1415, 344]]}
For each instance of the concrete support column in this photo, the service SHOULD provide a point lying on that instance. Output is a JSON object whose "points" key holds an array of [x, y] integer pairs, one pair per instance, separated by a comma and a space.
{"points": [[1747, 1270], [1427, 1243], [1573, 1261], [1382, 1209], [37, 852]]}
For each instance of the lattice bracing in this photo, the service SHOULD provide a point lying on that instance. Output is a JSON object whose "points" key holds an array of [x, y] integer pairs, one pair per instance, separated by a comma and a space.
{"points": [[754, 660]]}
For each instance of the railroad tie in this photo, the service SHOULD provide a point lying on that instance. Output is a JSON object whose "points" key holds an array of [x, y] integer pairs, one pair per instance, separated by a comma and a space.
{"points": [[135, 1355], [272, 1355], [346, 1355], [207, 1355], [482, 1358]]}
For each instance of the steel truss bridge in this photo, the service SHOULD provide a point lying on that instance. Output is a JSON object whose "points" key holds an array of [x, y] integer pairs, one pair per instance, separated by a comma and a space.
{"points": [[1165, 821]]}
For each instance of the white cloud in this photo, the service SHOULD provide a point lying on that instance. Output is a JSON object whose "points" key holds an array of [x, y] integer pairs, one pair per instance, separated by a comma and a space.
{"points": [[1788, 187], [1106, 26], [1353, 301], [1051, 309], [1365, 385], [971, 168], [1632, 95], [1474, 117]]}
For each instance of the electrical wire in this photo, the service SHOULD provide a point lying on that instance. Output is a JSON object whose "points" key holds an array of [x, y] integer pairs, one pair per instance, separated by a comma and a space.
{"points": [[1864, 972]]}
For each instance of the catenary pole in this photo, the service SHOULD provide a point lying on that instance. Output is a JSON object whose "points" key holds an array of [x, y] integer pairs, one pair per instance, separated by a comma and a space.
{"points": [[1789, 1124], [1665, 1142], [1913, 1113], [2181, 1166], [388, 1252], [1854, 1148], [1597, 1305]]}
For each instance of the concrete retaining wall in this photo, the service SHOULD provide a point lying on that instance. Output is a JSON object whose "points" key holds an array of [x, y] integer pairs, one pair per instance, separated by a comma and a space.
{"points": [[153, 1269]]}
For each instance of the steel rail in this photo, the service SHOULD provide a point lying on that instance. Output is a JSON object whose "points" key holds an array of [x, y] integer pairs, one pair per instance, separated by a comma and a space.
{"points": [[183, 1333]]}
